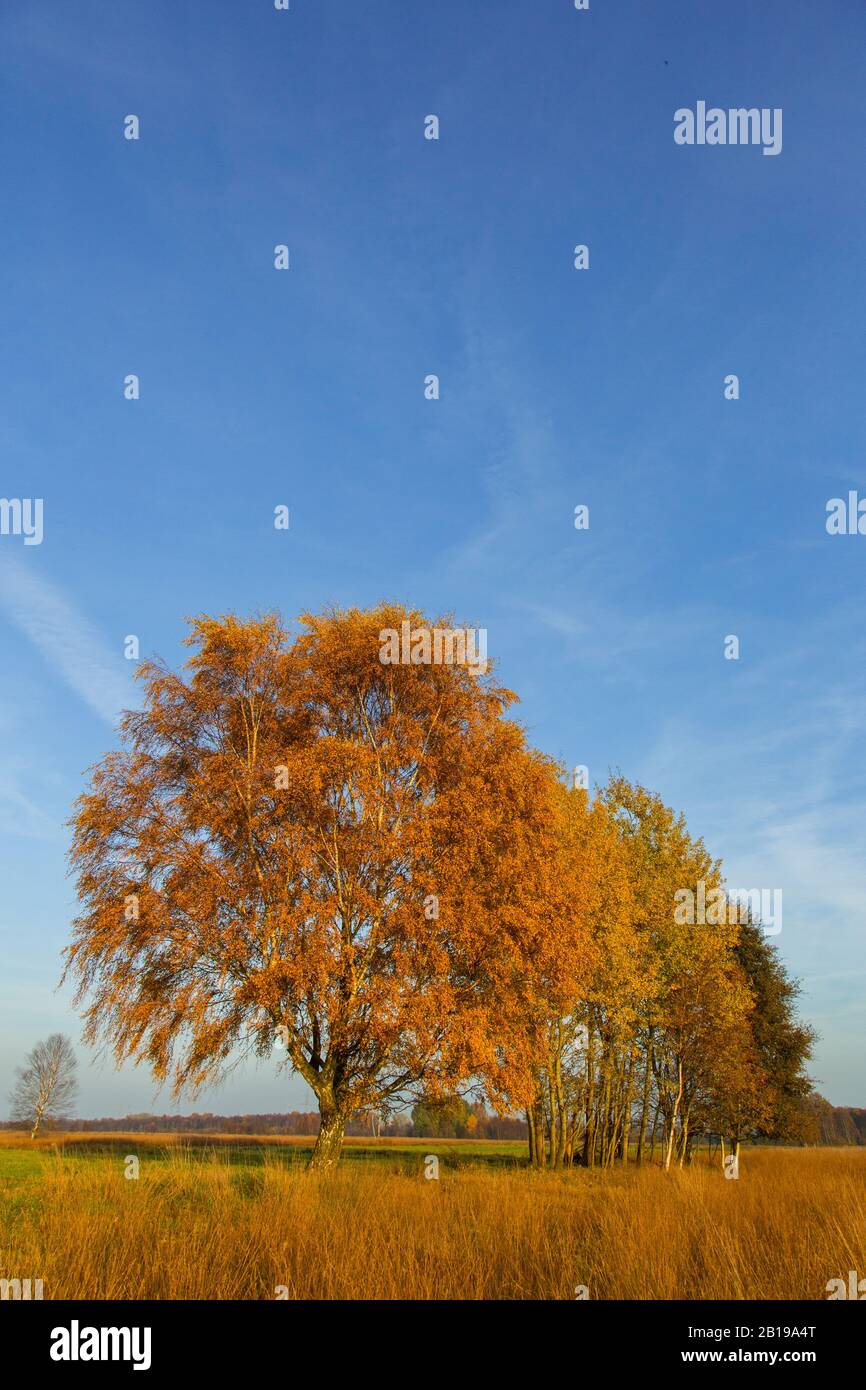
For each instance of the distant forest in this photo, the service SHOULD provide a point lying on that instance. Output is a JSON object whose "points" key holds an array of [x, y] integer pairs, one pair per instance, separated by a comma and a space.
{"points": [[452, 1120], [831, 1125], [836, 1124]]}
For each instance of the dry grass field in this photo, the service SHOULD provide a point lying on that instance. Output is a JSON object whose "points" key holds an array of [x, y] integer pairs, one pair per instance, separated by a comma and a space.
{"points": [[238, 1218]]}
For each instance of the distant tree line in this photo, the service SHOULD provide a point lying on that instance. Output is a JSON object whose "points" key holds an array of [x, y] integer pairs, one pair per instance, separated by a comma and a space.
{"points": [[834, 1124], [453, 1119]]}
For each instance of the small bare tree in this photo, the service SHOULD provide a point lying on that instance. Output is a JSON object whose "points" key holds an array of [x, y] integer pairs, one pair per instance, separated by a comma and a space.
{"points": [[46, 1085]]}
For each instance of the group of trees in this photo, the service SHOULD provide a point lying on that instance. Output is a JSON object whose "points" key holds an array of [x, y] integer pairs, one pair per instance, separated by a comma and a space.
{"points": [[365, 867], [658, 1030], [834, 1124]]}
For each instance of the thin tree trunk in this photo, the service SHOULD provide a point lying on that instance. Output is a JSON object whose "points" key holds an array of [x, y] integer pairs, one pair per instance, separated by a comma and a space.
{"points": [[589, 1132], [535, 1117], [674, 1120], [604, 1109], [557, 1159], [554, 1140], [644, 1114], [572, 1133], [684, 1138], [653, 1133], [626, 1122]]}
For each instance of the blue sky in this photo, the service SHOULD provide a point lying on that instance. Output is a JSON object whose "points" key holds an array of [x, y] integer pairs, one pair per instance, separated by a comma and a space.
{"points": [[558, 387]]}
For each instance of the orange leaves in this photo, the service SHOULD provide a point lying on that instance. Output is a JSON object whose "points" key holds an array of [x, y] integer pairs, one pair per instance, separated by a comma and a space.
{"points": [[363, 860], [282, 814]]}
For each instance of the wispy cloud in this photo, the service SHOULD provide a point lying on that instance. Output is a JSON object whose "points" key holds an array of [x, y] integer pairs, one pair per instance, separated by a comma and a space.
{"points": [[67, 640], [779, 803], [19, 813]]}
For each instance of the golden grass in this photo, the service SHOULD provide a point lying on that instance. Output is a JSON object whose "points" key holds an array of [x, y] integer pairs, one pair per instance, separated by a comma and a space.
{"points": [[201, 1228]]}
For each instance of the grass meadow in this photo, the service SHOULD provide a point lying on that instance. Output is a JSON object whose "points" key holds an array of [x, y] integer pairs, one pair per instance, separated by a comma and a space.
{"points": [[215, 1217]]}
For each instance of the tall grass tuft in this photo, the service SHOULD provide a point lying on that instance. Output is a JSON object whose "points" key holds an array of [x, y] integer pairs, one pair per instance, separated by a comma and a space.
{"points": [[195, 1226]]}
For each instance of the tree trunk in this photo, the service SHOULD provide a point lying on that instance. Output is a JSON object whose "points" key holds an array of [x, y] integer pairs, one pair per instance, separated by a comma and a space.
{"points": [[557, 1158], [589, 1131], [573, 1121], [535, 1120], [535, 1117], [629, 1091], [553, 1115], [329, 1143], [674, 1119], [540, 1134], [605, 1109], [654, 1133], [684, 1139], [644, 1114]]}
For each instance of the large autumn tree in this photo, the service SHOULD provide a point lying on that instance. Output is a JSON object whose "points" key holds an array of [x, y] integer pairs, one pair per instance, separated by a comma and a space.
{"points": [[301, 845]]}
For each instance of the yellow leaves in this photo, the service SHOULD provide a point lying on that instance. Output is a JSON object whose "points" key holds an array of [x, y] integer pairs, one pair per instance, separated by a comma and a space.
{"points": [[284, 812]]}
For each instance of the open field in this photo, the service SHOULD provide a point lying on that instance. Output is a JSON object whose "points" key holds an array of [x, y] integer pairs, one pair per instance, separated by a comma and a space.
{"points": [[236, 1217], [253, 1149]]}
